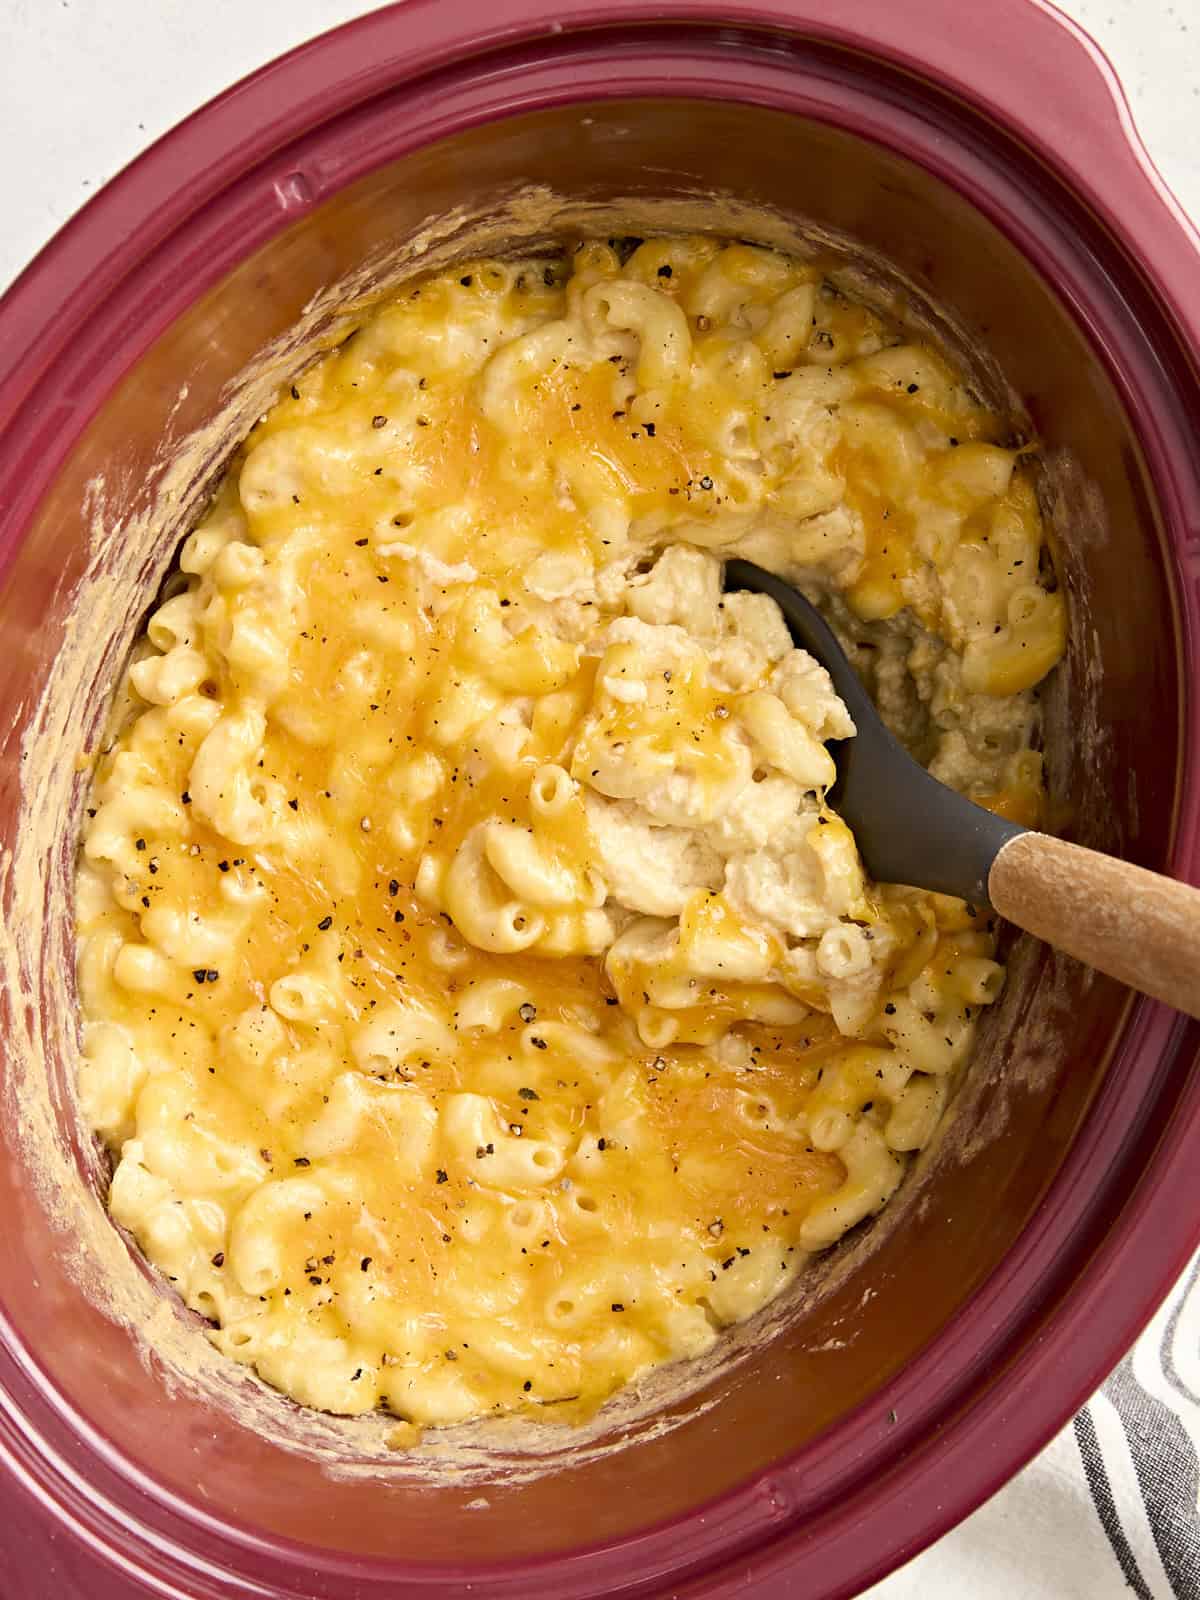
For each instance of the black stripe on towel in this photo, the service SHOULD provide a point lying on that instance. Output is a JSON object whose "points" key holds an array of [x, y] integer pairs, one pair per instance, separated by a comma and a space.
{"points": [[1167, 1348], [1168, 1475], [1102, 1498]]}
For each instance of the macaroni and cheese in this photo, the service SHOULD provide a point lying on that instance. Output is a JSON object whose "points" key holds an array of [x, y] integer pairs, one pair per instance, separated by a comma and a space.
{"points": [[482, 1003]]}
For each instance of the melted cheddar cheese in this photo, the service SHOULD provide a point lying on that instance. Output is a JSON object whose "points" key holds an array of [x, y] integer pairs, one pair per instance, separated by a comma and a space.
{"points": [[481, 1002]]}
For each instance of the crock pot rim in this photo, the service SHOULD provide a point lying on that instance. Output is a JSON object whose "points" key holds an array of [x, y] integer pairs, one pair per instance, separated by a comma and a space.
{"points": [[1167, 252]]}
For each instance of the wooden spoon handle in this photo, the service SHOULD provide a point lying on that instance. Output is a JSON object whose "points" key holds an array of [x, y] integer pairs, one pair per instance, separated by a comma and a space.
{"points": [[1132, 924]]}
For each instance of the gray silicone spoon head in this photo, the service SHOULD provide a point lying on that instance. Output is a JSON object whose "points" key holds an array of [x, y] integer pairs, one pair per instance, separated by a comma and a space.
{"points": [[910, 828]]}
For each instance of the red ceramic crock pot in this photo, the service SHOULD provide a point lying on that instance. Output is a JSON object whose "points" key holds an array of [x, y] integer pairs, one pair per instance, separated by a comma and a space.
{"points": [[988, 152]]}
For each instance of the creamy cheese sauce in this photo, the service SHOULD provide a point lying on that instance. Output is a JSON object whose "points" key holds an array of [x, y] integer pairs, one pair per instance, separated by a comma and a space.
{"points": [[481, 1001]]}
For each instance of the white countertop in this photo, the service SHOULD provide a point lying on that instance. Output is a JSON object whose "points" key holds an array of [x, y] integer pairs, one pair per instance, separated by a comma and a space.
{"points": [[87, 84]]}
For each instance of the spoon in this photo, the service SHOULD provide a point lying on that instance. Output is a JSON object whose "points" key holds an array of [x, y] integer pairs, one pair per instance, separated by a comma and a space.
{"points": [[1137, 926]]}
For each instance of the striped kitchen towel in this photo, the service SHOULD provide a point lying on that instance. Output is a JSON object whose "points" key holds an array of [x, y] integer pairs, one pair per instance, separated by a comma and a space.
{"points": [[1109, 1507]]}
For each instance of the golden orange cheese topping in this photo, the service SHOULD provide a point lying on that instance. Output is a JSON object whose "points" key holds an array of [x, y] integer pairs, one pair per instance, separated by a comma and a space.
{"points": [[481, 1002]]}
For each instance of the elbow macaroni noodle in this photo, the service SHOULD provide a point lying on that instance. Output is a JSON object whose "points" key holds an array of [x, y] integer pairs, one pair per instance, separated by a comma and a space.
{"points": [[481, 1001]]}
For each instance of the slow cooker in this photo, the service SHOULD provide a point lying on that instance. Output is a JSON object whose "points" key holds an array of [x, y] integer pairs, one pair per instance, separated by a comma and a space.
{"points": [[988, 155]]}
